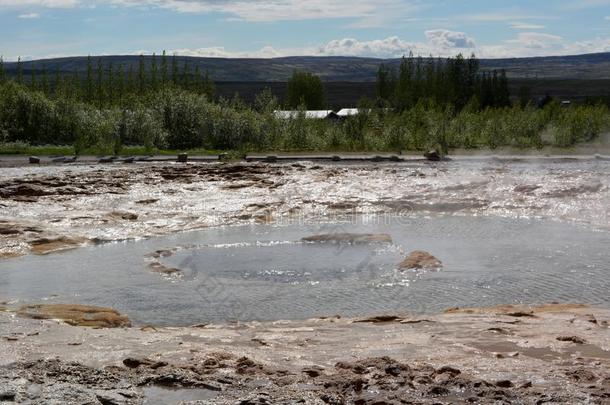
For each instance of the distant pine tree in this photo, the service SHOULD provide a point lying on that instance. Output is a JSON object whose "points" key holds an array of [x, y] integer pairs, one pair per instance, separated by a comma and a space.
{"points": [[174, 69], [164, 69], [19, 71], [131, 83], [141, 75], [153, 72], [33, 84], [44, 83], [89, 90], [100, 83], [2, 72], [185, 79], [110, 83], [120, 82]]}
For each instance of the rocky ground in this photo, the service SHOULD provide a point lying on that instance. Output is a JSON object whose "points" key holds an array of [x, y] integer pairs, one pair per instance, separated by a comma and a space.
{"points": [[50, 208], [504, 355], [549, 354]]}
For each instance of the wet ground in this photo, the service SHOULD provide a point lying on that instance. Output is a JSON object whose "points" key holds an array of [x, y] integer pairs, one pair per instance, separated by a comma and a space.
{"points": [[140, 238], [45, 209], [508, 355]]}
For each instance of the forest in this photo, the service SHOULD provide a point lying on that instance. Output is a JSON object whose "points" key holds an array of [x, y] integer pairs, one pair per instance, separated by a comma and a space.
{"points": [[425, 103]]}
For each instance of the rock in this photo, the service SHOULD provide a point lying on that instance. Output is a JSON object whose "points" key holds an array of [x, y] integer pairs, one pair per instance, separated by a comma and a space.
{"points": [[46, 246], [433, 155], [353, 238], [22, 190], [127, 216], [110, 398], [183, 158], [76, 315], [157, 267], [505, 384], [573, 339], [147, 202], [381, 319], [518, 310], [452, 371], [420, 260], [34, 160], [135, 363], [7, 396]]}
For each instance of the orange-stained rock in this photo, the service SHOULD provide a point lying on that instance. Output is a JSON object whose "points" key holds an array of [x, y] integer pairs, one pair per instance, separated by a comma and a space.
{"points": [[76, 315], [420, 260]]}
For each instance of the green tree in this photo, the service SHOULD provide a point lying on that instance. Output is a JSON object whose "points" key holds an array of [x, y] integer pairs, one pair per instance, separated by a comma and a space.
{"points": [[89, 80], [306, 89], [100, 83], [164, 69], [2, 72], [174, 69], [120, 83], [385, 82], [110, 83], [153, 72], [19, 71], [44, 83], [33, 84], [131, 84], [185, 79], [141, 75]]}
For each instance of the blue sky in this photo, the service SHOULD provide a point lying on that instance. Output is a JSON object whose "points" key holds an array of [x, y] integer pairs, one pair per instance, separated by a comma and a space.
{"points": [[268, 28]]}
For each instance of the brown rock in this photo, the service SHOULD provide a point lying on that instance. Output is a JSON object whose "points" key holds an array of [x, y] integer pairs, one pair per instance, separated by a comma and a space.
{"points": [[573, 339], [420, 260], [380, 319], [127, 216], [45, 246], [160, 268], [76, 315], [518, 310], [354, 238], [22, 190]]}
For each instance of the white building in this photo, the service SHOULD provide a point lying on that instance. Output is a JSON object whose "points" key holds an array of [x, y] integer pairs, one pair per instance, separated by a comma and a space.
{"points": [[309, 114]]}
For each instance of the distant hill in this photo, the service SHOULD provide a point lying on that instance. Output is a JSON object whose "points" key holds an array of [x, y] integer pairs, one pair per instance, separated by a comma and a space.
{"points": [[337, 69]]}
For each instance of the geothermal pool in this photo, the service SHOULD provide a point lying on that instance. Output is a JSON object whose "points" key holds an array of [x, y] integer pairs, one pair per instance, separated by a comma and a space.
{"points": [[265, 272]]}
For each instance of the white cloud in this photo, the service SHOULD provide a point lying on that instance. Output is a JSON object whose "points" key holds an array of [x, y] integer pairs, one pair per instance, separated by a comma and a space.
{"points": [[221, 52], [445, 39], [39, 3], [29, 16], [368, 13], [440, 43], [526, 26]]}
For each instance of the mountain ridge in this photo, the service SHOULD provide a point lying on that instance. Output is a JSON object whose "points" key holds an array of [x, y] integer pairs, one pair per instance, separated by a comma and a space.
{"points": [[330, 68]]}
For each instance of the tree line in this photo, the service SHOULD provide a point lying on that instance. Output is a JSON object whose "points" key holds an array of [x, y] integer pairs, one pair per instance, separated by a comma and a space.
{"points": [[106, 84], [454, 82]]}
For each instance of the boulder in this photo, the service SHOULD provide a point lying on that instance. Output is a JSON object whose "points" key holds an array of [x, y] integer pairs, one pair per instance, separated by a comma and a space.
{"points": [[354, 238], [34, 160], [76, 315], [420, 260]]}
